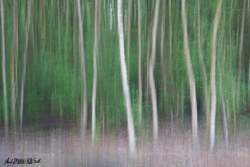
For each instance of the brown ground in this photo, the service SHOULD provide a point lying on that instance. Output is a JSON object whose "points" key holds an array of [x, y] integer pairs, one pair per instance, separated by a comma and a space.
{"points": [[67, 148]]}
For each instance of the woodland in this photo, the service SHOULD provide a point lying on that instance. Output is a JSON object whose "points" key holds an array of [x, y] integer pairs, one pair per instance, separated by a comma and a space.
{"points": [[142, 70]]}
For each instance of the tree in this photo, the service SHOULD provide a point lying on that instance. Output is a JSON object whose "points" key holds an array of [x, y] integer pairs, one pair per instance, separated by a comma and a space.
{"points": [[24, 60], [151, 74], [203, 71], [13, 51], [125, 86], [84, 110], [3, 68], [213, 84], [95, 50], [128, 33], [139, 61], [190, 74], [163, 68]]}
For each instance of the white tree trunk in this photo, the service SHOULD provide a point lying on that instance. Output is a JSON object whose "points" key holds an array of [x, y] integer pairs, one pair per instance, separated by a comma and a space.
{"points": [[139, 62], [3, 68], [213, 84], [151, 74], [224, 114], [190, 75], [131, 132], [24, 61], [95, 49], [163, 68], [84, 107]]}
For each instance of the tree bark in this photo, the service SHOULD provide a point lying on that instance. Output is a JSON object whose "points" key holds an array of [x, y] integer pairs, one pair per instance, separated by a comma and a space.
{"points": [[24, 61], [151, 74], [203, 70], [124, 79], [213, 84], [224, 114], [128, 33], [3, 69], [139, 62], [190, 75], [163, 68], [12, 64], [95, 51], [241, 46], [84, 100]]}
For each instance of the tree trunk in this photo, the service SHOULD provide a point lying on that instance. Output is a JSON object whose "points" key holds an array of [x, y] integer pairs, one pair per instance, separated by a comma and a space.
{"points": [[3, 69], [128, 33], [190, 75], [224, 114], [213, 84], [139, 62], [124, 79], [24, 61], [241, 47], [12, 65], [203, 70], [84, 100], [151, 74], [163, 68], [95, 51]]}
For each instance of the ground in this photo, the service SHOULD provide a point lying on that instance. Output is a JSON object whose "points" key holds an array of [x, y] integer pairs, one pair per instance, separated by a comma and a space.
{"points": [[66, 147]]}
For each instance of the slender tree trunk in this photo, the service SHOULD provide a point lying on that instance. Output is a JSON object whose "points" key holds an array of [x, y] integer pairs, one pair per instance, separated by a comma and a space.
{"points": [[224, 114], [213, 84], [248, 21], [12, 65], [67, 30], [3, 69], [131, 132], [163, 68], [203, 70], [95, 51], [60, 57], [190, 75], [84, 108], [24, 61], [241, 47], [151, 74], [128, 33], [139, 62]]}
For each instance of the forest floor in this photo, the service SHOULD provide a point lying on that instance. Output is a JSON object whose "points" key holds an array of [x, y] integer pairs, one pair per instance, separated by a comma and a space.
{"points": [[66, 147]]}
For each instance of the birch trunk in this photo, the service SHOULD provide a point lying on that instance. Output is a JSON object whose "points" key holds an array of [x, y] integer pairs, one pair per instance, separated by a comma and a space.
{"points": [[131, 132], [190, 75], [3, 68], [139, 62], [24, 61], [12, 64], [128, 33], [151, 74], [84, 100], [163, 68], [224, 114], [241, 47], [95, 50], [213, 84], [203, 70]]}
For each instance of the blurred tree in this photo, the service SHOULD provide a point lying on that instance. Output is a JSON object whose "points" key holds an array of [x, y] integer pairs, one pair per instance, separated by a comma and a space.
{"points": [[190, 74], [4, 68], [24, 61], [125, 85], [151, 73], [213, 84], [84, 95]]}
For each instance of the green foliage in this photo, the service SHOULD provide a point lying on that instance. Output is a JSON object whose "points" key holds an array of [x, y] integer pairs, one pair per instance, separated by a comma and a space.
{"points": [[54, 84]]}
